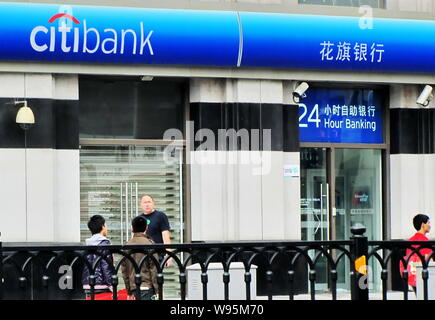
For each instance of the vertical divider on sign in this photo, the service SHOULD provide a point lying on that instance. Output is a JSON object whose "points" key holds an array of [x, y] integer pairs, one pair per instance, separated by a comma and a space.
{"points": [[240, 55]]}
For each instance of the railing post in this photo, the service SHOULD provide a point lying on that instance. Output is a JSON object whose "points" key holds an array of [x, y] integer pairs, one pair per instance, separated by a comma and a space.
{"points": [[183, 282], [1, 270], [359, 250], [248, 280]]}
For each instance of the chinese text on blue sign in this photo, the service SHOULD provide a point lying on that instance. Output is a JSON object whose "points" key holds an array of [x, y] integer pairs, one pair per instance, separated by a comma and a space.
{"points": [[341, 116]]}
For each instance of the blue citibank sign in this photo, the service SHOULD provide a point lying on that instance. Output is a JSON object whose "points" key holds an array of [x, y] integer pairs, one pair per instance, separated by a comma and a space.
{"points": [[98, 34], [341, 116]]}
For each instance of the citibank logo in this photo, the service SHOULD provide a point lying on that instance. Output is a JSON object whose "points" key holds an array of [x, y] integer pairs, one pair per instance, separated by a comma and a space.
{"points": [[82, 38]]}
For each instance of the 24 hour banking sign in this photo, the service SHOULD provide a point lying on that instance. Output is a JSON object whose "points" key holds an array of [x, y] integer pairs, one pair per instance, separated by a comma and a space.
{"points": [[341, 116], [101, 34]]}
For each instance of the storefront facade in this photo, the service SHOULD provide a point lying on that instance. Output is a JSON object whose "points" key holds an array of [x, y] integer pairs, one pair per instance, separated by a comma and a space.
{"points": [[195, 107]]}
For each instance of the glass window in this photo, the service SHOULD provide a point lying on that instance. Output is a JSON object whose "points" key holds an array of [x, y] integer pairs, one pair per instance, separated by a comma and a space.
{"points": [[348, 3], [127, 109]]}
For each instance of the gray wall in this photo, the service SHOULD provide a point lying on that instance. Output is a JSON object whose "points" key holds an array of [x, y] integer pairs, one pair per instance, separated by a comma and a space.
{"points": [[412, 173], [413, 9], [52, 177], [236, 200]]}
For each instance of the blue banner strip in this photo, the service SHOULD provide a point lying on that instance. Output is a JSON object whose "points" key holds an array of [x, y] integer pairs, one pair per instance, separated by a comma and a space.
{"points": [[118, 35], [337, 43], [63, 33]]}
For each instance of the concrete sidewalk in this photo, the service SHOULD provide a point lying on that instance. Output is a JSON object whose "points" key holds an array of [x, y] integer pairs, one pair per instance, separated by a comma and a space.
{"points": [[391, 295]]}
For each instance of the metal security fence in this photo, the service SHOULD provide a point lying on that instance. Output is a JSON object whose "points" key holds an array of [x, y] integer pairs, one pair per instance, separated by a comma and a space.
{"points": [[54, 272], [388, 254]]}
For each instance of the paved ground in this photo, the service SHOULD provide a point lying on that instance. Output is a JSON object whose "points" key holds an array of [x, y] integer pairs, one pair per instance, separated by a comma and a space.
{"points": [[391, 295]]}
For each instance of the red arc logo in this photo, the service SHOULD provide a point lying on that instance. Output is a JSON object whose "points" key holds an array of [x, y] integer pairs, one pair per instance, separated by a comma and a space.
{"points": [[63, 15]]}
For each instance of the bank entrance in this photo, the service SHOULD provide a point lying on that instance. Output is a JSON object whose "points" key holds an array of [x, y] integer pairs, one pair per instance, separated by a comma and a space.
{"points": [[342, 170]]}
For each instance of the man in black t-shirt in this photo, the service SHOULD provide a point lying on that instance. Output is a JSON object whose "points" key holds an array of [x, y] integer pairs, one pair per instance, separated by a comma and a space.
{"points": [[158, 226]]}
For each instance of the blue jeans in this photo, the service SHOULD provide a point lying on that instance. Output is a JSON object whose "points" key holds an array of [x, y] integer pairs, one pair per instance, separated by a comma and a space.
{"points": [[146, 294]]}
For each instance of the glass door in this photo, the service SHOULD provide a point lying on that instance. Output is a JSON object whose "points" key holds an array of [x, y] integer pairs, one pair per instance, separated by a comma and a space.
{"points": [[358, 191], [113, 179], [315, 205], [357, 198], [314, 189]]}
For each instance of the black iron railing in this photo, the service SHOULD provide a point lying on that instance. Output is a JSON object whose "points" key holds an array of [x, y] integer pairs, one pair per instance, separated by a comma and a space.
{"points": [[384, 251], [33, 272]]}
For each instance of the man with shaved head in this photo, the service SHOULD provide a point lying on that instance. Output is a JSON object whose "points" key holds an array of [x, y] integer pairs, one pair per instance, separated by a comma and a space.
{"points": [[158, 227]]}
